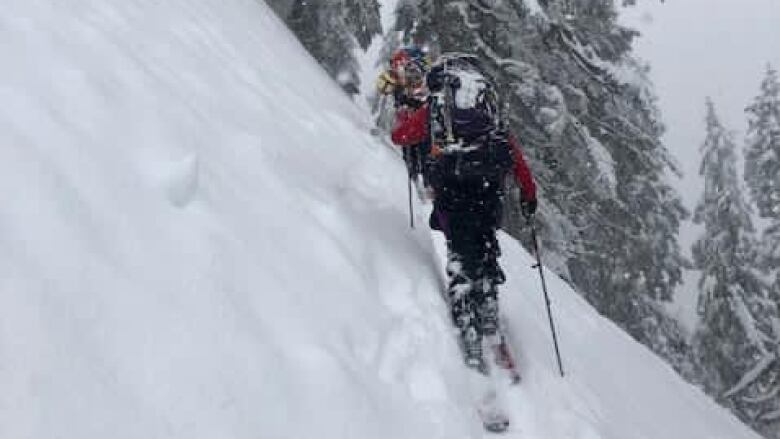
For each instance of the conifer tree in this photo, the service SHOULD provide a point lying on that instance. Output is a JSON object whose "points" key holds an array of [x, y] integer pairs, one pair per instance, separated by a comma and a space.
{"points": [[362, 19], [332, 30], [762, 167], [735, 341]]}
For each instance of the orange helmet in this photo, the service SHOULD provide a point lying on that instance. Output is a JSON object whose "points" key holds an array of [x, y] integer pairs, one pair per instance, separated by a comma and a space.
{"points": [[399, 58], [409, 64]]}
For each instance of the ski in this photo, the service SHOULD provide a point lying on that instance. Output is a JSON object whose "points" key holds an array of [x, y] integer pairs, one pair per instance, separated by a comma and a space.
{"points": [[494, 420], [489, 407], [500, 349], [487, 374]]}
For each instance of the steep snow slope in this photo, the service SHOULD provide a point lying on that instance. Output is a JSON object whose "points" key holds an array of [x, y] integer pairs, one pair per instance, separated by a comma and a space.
{"points": [[199, 239]]}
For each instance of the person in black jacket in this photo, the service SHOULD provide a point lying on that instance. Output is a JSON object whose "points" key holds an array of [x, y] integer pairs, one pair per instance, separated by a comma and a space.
{"points": [[468, 166]]}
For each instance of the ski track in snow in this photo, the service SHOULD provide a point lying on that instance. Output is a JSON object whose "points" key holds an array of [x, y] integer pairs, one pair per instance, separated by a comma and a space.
{"points": [[201, 239]]}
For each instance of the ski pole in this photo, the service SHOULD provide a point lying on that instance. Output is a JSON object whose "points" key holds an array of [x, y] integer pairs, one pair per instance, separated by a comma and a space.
{"points": [[411, 208], [546, 296]]}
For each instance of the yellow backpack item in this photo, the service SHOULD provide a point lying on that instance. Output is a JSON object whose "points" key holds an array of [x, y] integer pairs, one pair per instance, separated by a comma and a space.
{"points": [[386, 83]]}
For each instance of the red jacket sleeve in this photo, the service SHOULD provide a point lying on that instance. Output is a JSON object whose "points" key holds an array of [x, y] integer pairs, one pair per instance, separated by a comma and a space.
{"points": [[411, 126], [522, 173]]}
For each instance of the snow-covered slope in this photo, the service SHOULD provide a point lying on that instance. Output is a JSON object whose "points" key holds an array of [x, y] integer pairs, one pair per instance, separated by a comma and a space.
{"points": [[200, 239]]}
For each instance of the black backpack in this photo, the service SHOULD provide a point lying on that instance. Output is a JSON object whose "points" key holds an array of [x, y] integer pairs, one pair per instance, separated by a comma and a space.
{"points": [[465, 122]]}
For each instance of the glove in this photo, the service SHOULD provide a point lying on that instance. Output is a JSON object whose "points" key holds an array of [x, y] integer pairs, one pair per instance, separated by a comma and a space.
{"points": [[528, 208], [437, 78], [403, 99]]}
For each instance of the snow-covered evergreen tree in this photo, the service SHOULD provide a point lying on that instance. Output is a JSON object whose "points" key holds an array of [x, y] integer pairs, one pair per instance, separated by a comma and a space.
{"points": [[362, 18], [762, 166], [762, 152], [736, 340], [331, 30]]}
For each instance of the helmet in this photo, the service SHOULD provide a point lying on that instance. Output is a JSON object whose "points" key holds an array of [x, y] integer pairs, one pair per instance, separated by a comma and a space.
{"points": [[399, 58], [410, 53], [409, 64]]}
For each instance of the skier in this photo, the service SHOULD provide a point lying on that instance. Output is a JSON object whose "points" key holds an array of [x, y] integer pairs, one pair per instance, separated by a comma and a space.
{"points": [[405, 81], [471, 154]]}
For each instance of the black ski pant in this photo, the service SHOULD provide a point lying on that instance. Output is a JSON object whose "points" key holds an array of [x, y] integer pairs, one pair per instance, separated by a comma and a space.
{"points": [[469, 213], [416, 158]]}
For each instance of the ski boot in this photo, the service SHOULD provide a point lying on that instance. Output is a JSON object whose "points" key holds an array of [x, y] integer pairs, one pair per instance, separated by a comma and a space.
{"points": [[487, 313], [472, 350]]}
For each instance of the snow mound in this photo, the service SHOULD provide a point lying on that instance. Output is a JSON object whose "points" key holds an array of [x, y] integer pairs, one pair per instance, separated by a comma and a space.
{"points": [[200, 239]]}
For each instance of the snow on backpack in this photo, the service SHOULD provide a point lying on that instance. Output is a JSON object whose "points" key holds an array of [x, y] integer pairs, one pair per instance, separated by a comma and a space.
{"points": [[466, 129]]}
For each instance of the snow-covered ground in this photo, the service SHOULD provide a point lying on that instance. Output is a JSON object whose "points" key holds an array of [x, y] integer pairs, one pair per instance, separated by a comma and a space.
{"points": [[200, 239]]}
